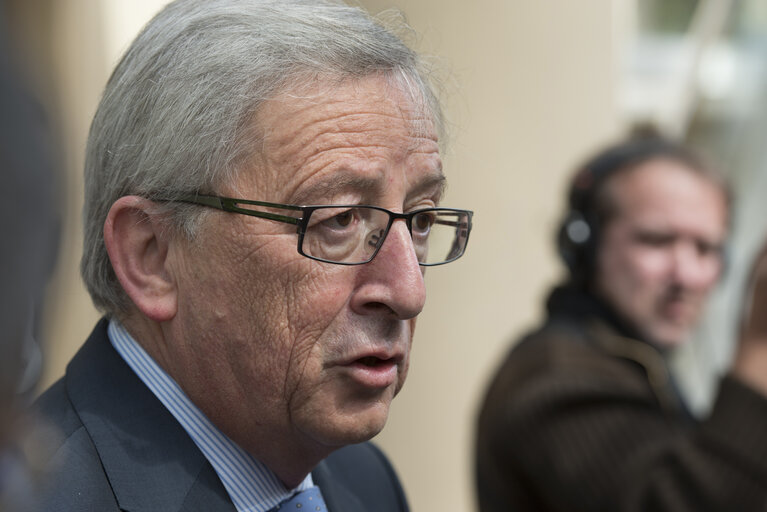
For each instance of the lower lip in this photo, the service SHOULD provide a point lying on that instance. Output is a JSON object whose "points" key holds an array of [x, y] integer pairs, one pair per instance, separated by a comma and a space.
{"points": [[382, 375]]}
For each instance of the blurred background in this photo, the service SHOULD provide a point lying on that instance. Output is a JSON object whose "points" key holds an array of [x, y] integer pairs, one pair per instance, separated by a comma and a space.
{"points": [[530, 89]]}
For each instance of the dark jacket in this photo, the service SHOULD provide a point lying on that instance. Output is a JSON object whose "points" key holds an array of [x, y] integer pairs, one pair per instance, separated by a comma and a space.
{"points": [[118, 448], [583, 416]]}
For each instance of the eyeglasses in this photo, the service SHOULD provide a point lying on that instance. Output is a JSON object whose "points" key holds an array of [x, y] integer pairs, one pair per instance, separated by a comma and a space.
{"points": [[353, 234]]}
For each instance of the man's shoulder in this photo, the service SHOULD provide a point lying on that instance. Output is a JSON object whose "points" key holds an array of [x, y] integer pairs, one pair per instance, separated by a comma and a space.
{"points": [[73, 477], [554, 343], [561, 363], [563, 344], [111, 441], [360, 475], [54, 408]]}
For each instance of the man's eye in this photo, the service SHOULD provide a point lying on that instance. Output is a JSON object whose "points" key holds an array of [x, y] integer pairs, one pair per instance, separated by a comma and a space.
{"points": [[654, 239], [423, 221], [708, 249], [343, 219], [339, 219]]}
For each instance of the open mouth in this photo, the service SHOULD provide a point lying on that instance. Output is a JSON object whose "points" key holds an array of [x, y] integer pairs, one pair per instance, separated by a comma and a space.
{"points": [[374, 372], [371, 361]]}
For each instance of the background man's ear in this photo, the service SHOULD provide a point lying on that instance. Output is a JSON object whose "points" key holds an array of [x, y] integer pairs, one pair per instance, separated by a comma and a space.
{"points": [[137, 244]]}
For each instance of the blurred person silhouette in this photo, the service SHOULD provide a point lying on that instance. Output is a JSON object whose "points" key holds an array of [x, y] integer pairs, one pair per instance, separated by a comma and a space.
{"points": [[584, 414], [262, 189], [29, 237]]}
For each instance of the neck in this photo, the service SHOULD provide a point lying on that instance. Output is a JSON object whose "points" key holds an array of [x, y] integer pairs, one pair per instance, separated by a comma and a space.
{"points": [[151, 336], [282, 450]]}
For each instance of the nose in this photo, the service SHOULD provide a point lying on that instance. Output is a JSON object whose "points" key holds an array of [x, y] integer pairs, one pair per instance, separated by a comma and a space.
{"points": [[694, 269], [393, 283]]}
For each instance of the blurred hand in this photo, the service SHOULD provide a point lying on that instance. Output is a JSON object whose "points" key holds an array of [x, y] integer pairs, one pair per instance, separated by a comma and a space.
{"points": [[751, 357]]}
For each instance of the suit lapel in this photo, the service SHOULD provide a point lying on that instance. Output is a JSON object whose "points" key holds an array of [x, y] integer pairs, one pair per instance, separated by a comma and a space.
{"points": [[149, 459], [207, 493], [338, 497]]}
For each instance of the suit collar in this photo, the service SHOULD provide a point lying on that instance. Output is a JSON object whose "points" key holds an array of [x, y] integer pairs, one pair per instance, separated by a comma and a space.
{"points": [[337, 496], [576, 304], [150, 461]]}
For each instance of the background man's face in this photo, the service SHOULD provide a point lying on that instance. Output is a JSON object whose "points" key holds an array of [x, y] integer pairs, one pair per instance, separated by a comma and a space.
{"points": [[659, 255], [284, 348]]}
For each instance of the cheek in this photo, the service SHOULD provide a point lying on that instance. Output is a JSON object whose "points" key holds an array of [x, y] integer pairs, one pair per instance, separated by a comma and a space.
{"points": [[632, 278], [649, 266], [403, 371], [315, 299], [710, 272], [315, 314], [645, 267]]}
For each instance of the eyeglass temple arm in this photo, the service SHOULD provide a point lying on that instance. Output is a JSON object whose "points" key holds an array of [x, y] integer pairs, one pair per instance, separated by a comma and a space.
{"points": [[461, 235], [455, 223], [229, 205]]}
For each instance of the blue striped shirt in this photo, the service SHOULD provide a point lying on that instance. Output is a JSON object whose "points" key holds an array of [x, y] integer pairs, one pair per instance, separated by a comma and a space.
{"points": [[250, 484]]}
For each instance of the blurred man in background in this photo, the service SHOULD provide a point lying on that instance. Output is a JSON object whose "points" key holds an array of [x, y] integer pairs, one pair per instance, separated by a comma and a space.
{"points": [[251, 344], [584, 414]]}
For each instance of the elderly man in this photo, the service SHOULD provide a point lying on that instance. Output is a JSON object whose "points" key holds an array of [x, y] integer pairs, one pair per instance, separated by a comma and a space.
{"points": [[251, 344], [584, 414]]}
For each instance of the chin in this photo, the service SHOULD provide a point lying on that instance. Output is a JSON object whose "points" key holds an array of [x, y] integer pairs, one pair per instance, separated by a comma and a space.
{"points": [[344, 428], [340, 437]]}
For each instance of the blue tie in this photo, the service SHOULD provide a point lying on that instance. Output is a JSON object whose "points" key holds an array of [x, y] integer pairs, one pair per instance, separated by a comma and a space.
{"points": [[309, 500]]}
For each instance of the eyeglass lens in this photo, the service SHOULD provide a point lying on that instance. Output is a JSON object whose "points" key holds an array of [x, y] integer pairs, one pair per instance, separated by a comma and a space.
{"points": [[353, 235]]}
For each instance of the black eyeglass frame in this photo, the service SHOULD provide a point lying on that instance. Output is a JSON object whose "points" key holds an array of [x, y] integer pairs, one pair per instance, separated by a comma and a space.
{"points": [[229, 204]]}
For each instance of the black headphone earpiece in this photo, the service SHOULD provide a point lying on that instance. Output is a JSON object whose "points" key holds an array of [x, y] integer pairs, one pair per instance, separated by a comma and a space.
{"points": [[574, 233]]}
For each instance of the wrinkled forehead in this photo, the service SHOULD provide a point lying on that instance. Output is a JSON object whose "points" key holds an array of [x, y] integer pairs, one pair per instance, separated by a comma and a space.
{"points": [[390, 94], [370, 123]]}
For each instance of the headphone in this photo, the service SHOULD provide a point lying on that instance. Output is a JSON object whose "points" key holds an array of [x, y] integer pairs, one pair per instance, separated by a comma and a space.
{"points": [[577, 238]]}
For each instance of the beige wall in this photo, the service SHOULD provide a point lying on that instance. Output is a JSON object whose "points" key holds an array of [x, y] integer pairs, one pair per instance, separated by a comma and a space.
{"points": [[533, 93], [80, 74], [530, 91], [88, 38]]}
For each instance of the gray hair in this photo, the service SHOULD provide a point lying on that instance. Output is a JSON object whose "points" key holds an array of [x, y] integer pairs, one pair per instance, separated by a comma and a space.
{"points": [[175, 114]]}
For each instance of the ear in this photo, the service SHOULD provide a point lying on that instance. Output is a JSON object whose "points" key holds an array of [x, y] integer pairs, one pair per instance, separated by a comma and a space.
{"points": [[138, 247]]}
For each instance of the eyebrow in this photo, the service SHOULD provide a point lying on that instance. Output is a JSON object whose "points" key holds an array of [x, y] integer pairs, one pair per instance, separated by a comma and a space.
{"points": [[435, 180], [348, 180]]}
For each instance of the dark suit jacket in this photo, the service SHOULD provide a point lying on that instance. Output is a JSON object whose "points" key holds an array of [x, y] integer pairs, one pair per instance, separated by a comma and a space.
{"points": [[120, 449]]}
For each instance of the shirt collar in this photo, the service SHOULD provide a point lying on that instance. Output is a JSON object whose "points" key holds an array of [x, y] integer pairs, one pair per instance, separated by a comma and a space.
{"points": [[250, 484]]}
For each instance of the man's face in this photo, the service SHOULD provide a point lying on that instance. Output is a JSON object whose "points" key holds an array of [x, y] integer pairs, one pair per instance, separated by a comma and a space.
{"points": [[283, 351], [660, 255]]}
